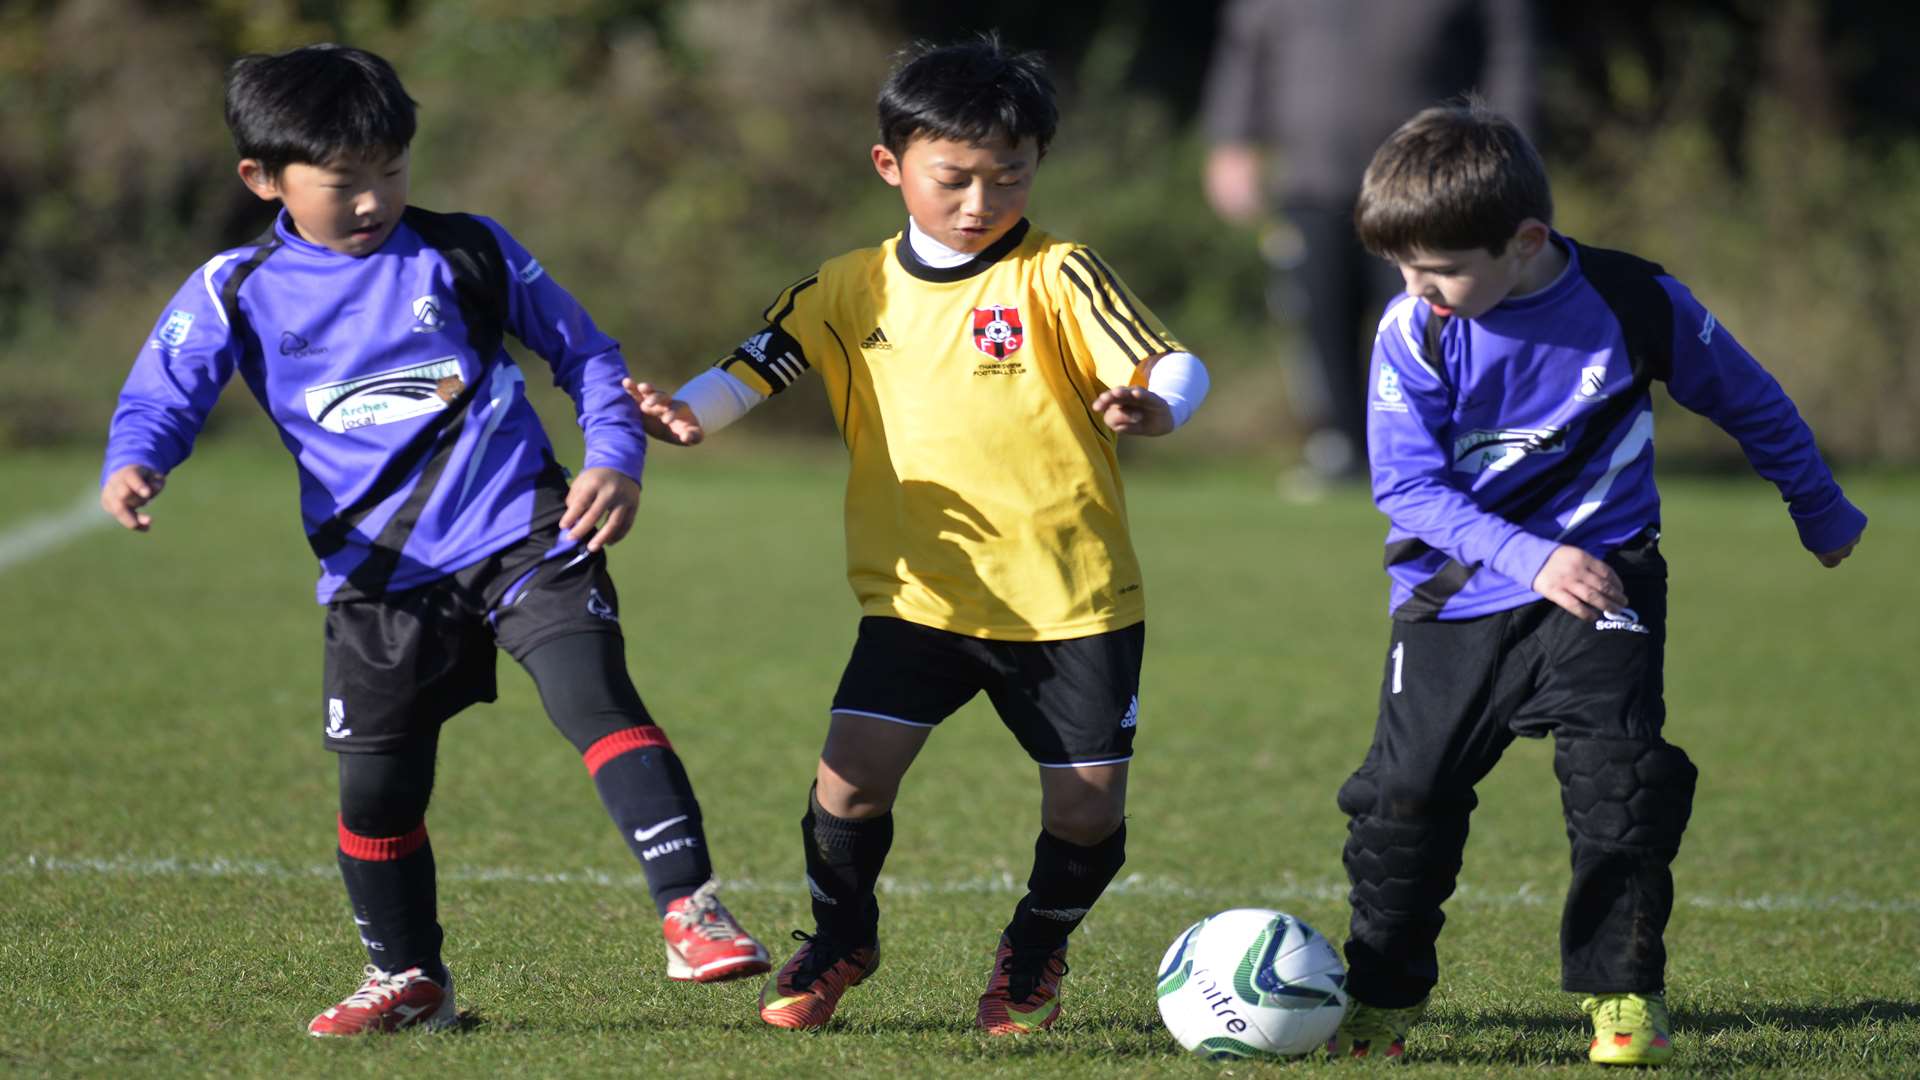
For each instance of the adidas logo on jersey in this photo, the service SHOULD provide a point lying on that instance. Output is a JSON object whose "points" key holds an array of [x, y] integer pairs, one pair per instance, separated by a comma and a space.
{"points": [[877, 340]]}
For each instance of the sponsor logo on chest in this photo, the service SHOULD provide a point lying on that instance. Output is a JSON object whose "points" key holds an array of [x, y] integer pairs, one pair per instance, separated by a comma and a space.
{"points": [[1500, 450], [385, 397]]}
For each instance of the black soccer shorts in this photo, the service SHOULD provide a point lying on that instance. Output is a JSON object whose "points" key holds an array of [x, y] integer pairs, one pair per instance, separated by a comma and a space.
{"points": [[1069, 703], [1454, 695], [405, 663]]}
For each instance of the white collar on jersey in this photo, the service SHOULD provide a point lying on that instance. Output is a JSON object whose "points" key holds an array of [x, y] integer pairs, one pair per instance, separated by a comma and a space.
{"points": [[932, 252]]}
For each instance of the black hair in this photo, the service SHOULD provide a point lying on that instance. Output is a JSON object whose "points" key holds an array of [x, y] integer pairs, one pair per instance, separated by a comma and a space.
{"points": [[314, 104], [970, 92], [1455, 177]]}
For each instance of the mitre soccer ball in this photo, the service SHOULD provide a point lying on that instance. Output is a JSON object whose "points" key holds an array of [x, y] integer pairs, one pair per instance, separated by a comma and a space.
{"points": [[1251, 983]]}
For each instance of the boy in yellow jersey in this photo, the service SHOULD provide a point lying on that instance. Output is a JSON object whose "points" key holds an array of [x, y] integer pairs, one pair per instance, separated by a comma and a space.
{"points": [[980, 372]]}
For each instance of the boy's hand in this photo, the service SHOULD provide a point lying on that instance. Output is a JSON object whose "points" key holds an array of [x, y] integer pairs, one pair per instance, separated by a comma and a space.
{"points": [[601, 493], [130, 488], [663, 417], [1831, 559], [1581, 585], [1134, 410]]}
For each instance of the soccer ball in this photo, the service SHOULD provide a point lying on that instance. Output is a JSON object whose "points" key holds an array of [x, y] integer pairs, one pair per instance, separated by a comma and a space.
{"points": [[1252, 983]]}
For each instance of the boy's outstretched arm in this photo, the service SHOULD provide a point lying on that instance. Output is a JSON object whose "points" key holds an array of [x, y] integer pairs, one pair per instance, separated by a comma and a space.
{"points": [[663, 417], [131, 487], [1715, 376], [708, 402]]}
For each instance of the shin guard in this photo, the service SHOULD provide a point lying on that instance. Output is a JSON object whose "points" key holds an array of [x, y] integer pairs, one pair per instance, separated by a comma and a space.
{"points": [[1626, 803], [1403, 858]]}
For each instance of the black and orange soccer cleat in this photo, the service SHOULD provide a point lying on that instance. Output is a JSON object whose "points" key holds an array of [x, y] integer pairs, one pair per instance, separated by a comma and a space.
{"points": [[1023, 992], [803, 994]]}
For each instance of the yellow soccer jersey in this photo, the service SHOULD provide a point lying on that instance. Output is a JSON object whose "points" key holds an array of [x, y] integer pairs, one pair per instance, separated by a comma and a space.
{"points": [[983, 495]]}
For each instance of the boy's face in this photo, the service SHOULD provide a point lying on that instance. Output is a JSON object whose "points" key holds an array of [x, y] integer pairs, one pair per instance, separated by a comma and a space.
{"points": [[349, 205], [1470, 283], [966, 196]]}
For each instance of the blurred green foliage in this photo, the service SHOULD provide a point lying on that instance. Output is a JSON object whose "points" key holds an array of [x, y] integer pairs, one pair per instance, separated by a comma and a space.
{"points": [[676, 163]]}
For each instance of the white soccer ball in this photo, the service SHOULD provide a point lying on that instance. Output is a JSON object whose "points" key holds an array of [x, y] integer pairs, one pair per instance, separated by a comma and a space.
{"points": [[1251, 983]]}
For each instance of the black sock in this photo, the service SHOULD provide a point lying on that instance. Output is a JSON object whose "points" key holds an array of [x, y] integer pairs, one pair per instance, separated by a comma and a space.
{"points": [[390, 883], [1065, 882], [844, 856], [646, 791]]}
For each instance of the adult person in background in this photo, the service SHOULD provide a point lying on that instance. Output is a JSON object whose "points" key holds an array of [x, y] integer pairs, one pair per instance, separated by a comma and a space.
{"points": [[1313, 87]]}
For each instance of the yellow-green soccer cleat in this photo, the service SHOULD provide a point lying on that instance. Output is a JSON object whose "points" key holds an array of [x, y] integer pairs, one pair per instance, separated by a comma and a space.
{"points": [[1372, 1032], [1629, 1029]]}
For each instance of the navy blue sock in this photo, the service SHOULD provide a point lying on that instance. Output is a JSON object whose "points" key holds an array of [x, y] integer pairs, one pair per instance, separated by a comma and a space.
{"points": [[646, 791], [386, 860], [390, 883], [1066, 880], [844, 856]]}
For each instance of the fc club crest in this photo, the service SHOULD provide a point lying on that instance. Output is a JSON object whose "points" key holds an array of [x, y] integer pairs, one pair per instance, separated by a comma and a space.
{"points": [[997, 331]]}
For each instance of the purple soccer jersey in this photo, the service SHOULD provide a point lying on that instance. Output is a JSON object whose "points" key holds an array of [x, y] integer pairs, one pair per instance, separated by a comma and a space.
{"points": [[1454, 438], [355, 359]]}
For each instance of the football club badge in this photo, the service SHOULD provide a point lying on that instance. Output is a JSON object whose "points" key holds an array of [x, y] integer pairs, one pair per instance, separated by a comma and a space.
{"points": [[997, 331]]}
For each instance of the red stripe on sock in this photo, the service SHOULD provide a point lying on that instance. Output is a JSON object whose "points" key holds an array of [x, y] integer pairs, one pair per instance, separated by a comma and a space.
{"points": [[381, 848], [612, 746]]}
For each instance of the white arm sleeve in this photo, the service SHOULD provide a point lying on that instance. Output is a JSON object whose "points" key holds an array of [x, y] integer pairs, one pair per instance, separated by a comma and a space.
{"points": [[717, 398], [1180, 379]]}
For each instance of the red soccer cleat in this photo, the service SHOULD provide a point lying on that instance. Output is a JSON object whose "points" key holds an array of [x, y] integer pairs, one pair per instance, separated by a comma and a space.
{"points": [[389, 1002], [705, 943]]}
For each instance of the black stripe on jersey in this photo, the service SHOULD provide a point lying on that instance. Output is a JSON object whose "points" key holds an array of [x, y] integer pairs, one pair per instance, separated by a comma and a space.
{"points": [[792, 293], [1100, 429], [846, 405], [1432, 594], [1094, 299], [237, 323], [1142, 330]]}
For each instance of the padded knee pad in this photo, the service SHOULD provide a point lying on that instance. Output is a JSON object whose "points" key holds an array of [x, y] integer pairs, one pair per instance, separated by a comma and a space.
{"points": [[1625, 792], [1403, 847]]}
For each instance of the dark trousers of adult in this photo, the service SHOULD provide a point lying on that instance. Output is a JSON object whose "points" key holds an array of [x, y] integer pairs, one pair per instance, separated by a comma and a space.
{"points": [[1337, 291], [1454, 696]]}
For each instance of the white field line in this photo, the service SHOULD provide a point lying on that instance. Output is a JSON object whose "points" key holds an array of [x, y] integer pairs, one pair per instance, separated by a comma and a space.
{"points": [[1002, 884], [45, 534]]}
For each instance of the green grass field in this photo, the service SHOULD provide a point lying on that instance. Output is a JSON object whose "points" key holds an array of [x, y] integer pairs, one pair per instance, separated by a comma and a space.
{"points": [[170, 906]]}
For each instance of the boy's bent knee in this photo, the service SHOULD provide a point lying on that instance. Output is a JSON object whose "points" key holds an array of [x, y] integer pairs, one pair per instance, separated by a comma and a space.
{"points": [[1086, 824], [857, 796]]}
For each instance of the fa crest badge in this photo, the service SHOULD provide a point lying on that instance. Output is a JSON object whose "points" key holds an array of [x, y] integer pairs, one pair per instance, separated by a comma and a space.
{"points": [[997, 330]]}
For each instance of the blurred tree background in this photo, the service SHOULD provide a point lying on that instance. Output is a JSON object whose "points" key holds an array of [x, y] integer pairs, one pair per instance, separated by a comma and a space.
{"points": [[676, 162]]}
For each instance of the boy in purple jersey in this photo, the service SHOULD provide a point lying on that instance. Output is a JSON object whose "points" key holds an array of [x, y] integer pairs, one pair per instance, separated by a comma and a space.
{"points": [[373, 334], [1510, 435]]}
